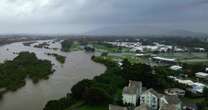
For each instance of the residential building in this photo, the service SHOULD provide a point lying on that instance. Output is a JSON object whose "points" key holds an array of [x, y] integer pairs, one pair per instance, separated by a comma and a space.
{"points": [[151, 98], [132, 92], [170, 103], [206, 69], [198, 87], [199, 49], [161, 60], [201, 75], [175, 91], [176, 67]]}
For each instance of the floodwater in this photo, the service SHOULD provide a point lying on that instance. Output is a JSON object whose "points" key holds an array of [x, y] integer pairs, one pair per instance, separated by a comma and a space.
{"points": [[78, 66]]}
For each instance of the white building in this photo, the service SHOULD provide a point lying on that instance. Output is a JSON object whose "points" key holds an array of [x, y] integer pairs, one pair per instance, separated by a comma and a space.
{"points": [[132, 92], [206, 69], [175, 91], [170, 103], [176, 67], [151, 98], [200, 49], [201, 75], [198, 87], [162, 60]]}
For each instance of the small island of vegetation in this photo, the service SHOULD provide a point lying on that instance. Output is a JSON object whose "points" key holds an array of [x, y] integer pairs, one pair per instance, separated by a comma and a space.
{"points": [[59, 58], [70, 45], [25, 65], [42, 45]]}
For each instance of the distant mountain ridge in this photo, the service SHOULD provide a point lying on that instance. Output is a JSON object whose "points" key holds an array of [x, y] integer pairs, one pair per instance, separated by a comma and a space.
{"points": [[144, 31]]}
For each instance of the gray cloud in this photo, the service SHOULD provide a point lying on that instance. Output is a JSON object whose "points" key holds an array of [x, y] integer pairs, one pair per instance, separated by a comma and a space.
{"points": [[80, 16]]}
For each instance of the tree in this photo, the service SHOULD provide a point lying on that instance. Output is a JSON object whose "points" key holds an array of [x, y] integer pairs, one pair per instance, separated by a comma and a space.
{"points": [[95, 96], [54, 105], [104, 54], [205, 92], [207, 54], [125, 67], [80, 88]]}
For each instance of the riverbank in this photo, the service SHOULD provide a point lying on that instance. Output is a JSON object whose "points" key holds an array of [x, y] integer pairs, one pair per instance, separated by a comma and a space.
{"points": [[93, 94]]}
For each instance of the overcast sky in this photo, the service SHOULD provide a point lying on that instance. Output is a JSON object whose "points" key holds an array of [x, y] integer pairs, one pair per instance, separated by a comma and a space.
{"points": [[80, 16]]}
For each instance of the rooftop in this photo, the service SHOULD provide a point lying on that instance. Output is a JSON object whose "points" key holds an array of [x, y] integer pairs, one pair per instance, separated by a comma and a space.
{"points": [[198, 84], [175, 67], [154, 92], [174, 91], [135, 84], [129, 90], [206, 69], [165, 59], [132, 87], [202, 74]]}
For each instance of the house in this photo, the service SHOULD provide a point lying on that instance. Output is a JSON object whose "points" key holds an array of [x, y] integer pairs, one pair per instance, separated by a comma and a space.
{"points": [[199, 49], [182, 81], [185, 82], [176, 68], [206, 69], [132, 92], [201, 75], [151, 98], [170, 103], [116, 107], [157, 101], [198, 87], [175, 91], [161, 60]]}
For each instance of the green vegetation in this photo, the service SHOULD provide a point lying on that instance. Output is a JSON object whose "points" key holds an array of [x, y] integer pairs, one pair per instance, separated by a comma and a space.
{"points": [[42, 45], [189, 42], [59, 58], [107, 88], [25, 65], [68, 46], [186, 57]]}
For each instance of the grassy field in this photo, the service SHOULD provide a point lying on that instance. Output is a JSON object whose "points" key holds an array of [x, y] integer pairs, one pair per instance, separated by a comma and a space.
{"points": [[104, 48], [186, 55], [130, 56], [191, 61]]}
